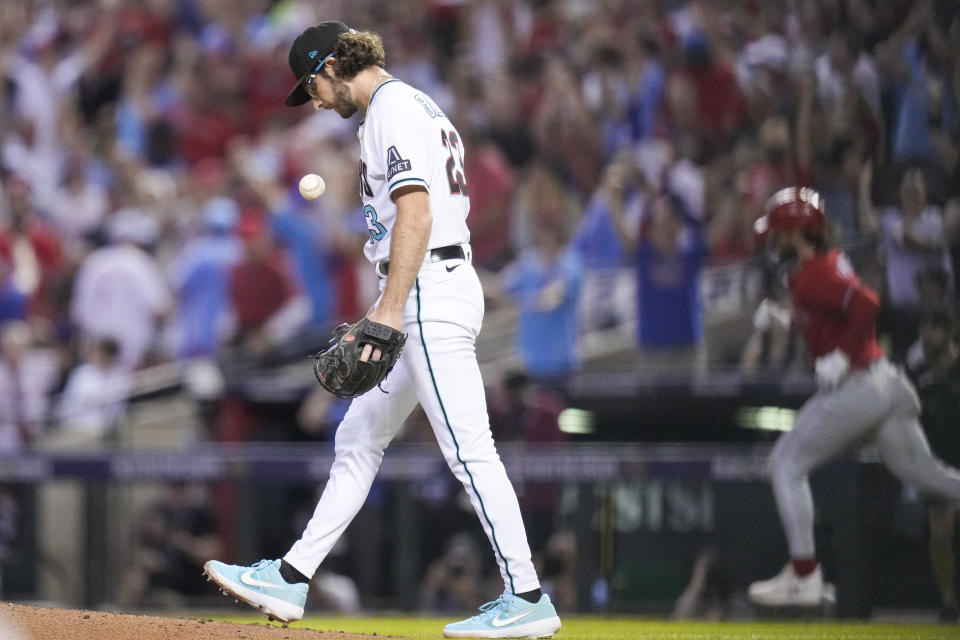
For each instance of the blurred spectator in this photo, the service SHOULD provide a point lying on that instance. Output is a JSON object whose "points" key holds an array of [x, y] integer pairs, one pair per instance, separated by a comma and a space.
{"points": [[175, 537], [669, 259], [300, 231], [543, 199], [334, 592], [776, 169], [763, 63], [491, 182], [145, 107], [703, 93], [80, 203], [685, 177], [13, 302], [912, 239], [95, 396], [558, 570], [848, 87], [708, 594], [200, 276], [564, 130], [607, 290], [545, 280], [9, 528], [454, 580], [120, 291], [319, 414], [523, 411], [907, 56], [729, 228], [668, 254], [837, 181], [206, 115], [911, 133], [260, 285], [934, 290], [647, 99], [951, 224], [606, 92], [31, 248], [43, 75], [505, 112], [596, 240], [768, 348], [933, 364], [27, 376]]}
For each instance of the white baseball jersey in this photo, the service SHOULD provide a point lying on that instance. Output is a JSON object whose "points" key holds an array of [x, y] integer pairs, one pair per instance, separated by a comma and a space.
{"points": [[405, 140]]}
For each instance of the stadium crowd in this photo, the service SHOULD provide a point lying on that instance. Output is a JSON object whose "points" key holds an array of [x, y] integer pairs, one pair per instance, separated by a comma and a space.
{"points": [[149, 214]]}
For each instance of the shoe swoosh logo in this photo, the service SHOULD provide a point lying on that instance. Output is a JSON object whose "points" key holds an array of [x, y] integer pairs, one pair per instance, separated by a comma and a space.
{"points": [[449, 269], [247, 578], [502, 622]]}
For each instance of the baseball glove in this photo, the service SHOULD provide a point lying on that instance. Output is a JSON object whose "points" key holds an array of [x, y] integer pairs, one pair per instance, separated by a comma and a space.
{"points": [[339, 368]]}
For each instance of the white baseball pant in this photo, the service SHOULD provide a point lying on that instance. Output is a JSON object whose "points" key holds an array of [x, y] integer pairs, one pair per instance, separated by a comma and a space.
{"points": [[877, 405], [438, 369]]}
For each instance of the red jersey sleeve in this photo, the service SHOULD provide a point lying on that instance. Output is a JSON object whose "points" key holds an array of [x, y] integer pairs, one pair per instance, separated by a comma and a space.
{"points": [[826, 284], [858, 339], [841, 311]]}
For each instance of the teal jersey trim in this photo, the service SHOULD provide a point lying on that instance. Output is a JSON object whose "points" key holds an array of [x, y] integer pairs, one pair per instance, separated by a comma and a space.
{"points": [[483, 508], [396, 184], [377, 90]]}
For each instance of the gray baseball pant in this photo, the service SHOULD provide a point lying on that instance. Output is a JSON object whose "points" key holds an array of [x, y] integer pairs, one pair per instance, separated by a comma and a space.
{"points": [[876, 405]]}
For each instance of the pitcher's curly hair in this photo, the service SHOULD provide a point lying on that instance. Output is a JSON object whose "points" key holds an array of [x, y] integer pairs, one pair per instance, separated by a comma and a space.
{"points": [[355, 52]]}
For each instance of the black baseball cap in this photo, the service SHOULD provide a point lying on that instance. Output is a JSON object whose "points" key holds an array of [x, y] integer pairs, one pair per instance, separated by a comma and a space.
{"points": [[308, 53]]}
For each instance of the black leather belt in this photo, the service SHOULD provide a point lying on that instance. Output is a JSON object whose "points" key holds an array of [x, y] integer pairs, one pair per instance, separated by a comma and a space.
{"points": [[452, 252]]}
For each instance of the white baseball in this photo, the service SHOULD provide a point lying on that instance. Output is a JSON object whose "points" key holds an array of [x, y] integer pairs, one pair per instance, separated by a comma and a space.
{"points": [[312, 186]]}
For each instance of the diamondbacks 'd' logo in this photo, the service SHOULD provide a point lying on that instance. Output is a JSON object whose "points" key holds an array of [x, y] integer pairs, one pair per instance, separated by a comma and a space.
{"points": [[395, 164]]}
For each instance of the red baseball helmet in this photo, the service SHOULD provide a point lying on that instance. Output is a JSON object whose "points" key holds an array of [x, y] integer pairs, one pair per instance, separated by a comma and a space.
{"points": [[792, 208]]}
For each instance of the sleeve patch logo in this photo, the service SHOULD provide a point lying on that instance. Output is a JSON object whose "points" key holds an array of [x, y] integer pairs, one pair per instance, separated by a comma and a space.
{"points": [[395, 164], [429, 106]]}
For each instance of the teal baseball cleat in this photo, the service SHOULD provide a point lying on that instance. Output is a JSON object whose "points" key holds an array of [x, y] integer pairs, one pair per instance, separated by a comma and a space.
{"points": [[261, 586], [508, 617]]}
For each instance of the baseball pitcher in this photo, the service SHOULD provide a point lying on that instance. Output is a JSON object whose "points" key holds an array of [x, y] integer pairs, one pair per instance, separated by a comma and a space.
{"points": [[861, 397], [415, 200]]}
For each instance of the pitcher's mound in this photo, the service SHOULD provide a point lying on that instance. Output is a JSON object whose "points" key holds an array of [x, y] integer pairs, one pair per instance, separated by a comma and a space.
{"points": [[18, 622]]}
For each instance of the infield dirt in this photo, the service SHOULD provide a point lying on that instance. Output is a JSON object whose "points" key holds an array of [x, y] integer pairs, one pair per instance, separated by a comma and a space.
{"points": [[69, 624]]}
